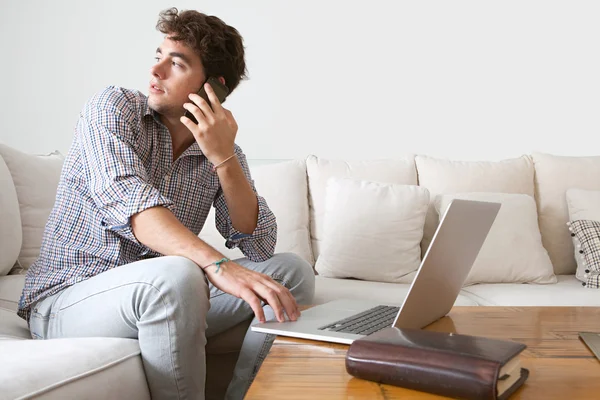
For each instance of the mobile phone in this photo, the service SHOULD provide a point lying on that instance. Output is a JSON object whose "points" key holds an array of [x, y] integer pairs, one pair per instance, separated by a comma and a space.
{"points": [[220, 90]]}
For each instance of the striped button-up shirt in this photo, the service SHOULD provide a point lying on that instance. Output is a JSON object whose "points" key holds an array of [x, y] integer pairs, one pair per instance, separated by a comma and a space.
{"points": [[121, 163]]}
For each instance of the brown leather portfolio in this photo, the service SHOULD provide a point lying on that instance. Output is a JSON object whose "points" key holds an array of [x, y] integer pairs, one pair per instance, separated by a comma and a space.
{"points": [[447, 364]]}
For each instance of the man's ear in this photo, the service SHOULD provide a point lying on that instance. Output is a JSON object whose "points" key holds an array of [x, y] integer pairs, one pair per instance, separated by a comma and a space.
{"points": [[222, 80]]}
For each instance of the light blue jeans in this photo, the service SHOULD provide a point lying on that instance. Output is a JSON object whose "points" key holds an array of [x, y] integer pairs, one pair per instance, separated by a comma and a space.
{"points": [[170, 307]]}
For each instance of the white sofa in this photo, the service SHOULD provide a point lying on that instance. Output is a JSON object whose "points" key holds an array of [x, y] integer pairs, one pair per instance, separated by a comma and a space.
{"points": [[296, 191]]}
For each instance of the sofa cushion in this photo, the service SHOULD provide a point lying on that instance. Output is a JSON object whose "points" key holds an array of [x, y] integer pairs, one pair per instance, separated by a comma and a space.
{"points": [[11, 325], [329, 289], [400, 171], [372, 230], [582, 205], [11, 287], [75, 368], [36, 178], [513, 250], [442, 176], [554, 175], [11, 234], [283, 185], [566, 292], [222, 350]]}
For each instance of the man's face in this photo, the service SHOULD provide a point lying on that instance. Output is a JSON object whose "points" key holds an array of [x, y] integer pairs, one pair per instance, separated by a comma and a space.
{"points": [[177, 73]]}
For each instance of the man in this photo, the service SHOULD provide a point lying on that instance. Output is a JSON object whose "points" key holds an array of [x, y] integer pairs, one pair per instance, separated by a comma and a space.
{"points": [[121, 256]]}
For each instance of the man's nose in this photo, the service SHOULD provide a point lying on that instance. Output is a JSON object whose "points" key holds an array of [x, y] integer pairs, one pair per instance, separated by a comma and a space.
{"points": [[157, 71]]}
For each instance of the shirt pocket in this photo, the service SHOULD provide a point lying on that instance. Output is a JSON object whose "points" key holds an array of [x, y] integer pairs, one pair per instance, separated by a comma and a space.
{"points": [[207, 178]]}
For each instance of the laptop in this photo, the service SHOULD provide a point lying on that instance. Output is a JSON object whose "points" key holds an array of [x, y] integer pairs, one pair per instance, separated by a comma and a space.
{"points": [[457, 241], [592, 341]]}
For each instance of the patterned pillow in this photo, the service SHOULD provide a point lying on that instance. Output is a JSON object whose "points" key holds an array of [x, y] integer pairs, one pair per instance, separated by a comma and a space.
{"points": [[587, 236]]}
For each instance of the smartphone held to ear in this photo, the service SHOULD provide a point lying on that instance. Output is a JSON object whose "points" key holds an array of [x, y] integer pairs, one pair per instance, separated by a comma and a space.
{"points": [[220, 90]]}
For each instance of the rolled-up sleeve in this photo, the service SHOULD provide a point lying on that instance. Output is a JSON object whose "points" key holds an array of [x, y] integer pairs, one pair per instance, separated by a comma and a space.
{"points": [[117, 180], [260, 244]]}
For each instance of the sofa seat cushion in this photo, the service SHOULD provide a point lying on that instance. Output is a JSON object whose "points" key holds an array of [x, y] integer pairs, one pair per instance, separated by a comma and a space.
{"points": [[567, 292], [328, 289], [73, 369], [12, 326], [11, 287]]}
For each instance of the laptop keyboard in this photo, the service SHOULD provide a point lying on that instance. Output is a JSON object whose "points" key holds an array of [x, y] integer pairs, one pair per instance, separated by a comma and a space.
{"points": [[366, 322]]}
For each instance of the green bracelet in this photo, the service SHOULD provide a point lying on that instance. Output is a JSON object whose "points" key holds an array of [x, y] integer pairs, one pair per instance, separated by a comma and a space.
{"points": [[218, 263]]}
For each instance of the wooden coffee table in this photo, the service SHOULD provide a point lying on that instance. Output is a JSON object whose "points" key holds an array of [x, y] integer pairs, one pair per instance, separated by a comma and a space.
{"points": [[560, 364]]}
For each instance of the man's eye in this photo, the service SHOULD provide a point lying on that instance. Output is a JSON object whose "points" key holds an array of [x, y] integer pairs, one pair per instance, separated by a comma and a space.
{"points": [[175, 64], [157, 59]]}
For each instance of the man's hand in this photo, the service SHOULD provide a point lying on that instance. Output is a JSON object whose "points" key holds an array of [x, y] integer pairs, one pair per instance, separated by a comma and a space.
{"points": [[253, 287], [216, 129]]}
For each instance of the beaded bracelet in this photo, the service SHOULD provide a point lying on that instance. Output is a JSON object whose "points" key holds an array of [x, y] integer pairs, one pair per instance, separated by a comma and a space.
{"points": [[217, 263]]}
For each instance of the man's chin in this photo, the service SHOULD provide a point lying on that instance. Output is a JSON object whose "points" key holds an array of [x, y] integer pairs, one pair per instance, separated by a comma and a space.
{"points": [[166, 110], [158, 107]]}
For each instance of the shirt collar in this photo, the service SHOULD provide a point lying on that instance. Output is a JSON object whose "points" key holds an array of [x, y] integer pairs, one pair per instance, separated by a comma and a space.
{"points": [[193, 150]]}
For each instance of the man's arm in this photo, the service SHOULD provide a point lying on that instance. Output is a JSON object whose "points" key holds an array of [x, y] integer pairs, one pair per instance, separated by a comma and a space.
{"points": [[160, 230], [241, 215], [241, 199]]}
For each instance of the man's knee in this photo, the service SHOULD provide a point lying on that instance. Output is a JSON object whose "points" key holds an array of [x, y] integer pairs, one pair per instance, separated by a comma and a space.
{"points": [[182, 275], [299, 276]]}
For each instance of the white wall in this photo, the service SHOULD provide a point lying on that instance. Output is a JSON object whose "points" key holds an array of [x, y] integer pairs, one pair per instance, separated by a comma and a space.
{"points": [[372, 79]]}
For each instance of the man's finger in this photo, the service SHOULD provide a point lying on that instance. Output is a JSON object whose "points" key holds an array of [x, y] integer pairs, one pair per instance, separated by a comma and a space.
{"points": [[203, 105], [272, 299], [286, 299], [214, 100], [250, 297], [196, 112], [186, 121]]}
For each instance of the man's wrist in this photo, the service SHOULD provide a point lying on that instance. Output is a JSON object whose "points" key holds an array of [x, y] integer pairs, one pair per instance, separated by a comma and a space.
{"points": [[229, 168], [217, 264], [222, 161], [205, 254]]}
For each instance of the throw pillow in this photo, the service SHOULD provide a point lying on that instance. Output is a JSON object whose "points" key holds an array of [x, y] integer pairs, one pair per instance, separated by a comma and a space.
{"points": [[554, 175], [587, 233], [582, 205], [441, 176], [36, 179], [372, 230], [512, 251], [398, 171]]}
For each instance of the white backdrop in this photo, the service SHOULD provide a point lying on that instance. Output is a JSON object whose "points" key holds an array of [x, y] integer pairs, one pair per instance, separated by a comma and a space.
{"points": [[339, 79]]}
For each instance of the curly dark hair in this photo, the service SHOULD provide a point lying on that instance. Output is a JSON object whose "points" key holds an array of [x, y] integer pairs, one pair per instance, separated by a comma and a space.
{"points": [[219, 45]]}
